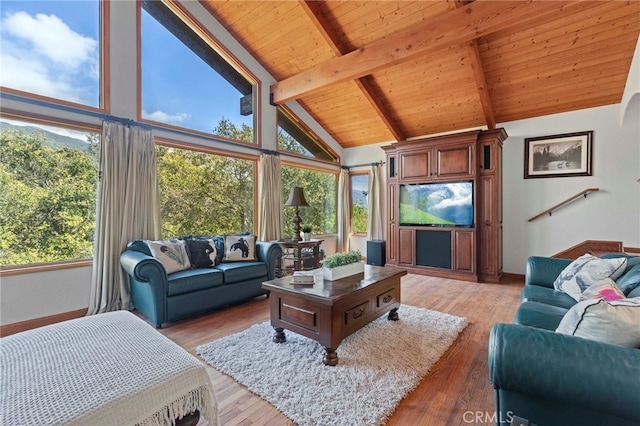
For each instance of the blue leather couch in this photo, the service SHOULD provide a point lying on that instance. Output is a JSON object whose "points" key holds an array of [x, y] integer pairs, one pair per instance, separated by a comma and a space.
{"points": [[164, 298], [546, 378]]}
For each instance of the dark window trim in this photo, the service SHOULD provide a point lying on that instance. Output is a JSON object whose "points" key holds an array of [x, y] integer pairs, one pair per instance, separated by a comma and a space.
{"points": [[166, 17], [291, 124]]}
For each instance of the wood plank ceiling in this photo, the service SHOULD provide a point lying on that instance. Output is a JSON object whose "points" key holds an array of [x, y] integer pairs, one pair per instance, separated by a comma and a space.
{"points": [[380, 71]]}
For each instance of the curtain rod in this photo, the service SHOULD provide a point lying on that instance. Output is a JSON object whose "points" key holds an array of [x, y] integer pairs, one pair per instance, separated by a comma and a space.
{"points": [[377, 163]]}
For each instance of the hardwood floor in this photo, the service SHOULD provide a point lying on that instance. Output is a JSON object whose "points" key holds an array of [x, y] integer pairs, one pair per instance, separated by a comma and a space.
{"points": [[457, 390]]}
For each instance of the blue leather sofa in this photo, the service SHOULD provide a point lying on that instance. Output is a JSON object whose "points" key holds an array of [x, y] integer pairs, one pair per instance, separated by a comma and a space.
{"points": [[164, 298], [546, 378]]}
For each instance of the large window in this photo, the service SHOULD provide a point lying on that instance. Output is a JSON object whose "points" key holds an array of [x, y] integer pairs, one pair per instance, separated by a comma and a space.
{"points": [[320, 193], [48, 182], [203, 193], [185, 82], [359, 202], [295, 138], [52, 48]]}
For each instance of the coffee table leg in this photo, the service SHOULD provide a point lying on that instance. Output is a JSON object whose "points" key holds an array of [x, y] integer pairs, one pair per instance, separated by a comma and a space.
{"points": [[279, 336], [393, 315], [330, 357]]}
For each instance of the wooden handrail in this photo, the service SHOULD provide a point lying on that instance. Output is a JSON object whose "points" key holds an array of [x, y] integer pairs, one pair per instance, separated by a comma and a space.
{"points": [[564, 203]]}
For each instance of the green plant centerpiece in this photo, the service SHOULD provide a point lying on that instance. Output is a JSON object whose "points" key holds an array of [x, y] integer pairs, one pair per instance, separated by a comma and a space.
{"points": [[306, 229], [342, 265]]}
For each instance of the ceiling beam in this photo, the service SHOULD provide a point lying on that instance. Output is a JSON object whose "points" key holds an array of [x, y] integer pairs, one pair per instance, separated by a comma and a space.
{"points": [[475, 61], [454, 27], [481, 83], [319, 19]]}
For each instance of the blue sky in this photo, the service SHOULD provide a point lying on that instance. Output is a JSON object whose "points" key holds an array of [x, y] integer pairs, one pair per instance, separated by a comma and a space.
{"points": [[52, 48]]}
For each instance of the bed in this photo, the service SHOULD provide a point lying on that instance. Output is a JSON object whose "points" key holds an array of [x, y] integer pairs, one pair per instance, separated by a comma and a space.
{"points": [[106, 369]]}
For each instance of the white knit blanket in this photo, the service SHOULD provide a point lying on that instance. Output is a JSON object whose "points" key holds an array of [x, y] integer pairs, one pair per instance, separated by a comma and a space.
{"points": [[107, 369]]}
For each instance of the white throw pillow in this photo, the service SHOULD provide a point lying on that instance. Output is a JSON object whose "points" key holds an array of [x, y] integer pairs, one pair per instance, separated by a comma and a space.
{"points": [[605, 289], [616, 322], [586, 271], [171, 253], [239, 248]]}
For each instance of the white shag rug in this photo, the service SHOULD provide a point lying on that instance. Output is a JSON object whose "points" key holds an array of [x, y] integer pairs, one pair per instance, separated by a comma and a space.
{"points": [[377, 367]]}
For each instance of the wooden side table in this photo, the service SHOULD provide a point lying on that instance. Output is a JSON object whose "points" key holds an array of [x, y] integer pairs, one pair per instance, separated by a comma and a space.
{"points": [[294, 253]]}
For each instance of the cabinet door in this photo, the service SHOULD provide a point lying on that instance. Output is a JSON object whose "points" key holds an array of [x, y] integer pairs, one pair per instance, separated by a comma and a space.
{"points": [[463, 249], [453, 162], [407, 243], [487, 201], [392, 228], [488, 264], [416, 164], [392, 244]]}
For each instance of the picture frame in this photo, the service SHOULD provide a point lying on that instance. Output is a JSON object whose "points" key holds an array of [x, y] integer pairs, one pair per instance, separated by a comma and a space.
{"points": [[564, 155]]}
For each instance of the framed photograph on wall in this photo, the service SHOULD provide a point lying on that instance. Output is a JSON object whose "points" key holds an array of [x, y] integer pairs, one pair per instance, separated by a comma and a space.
{"points": [[569, 154]]}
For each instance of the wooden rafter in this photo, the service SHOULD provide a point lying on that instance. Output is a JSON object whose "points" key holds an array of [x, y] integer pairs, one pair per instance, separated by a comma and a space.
{"points": [[314, 10], [475, 61], [458, 26]]}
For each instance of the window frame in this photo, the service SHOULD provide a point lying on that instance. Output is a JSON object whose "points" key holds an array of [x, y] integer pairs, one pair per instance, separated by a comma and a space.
{"points": [[104, 106], [335, 173], [351, 175], [171, 143], [306, 131], [218, 48], [31, 268]]}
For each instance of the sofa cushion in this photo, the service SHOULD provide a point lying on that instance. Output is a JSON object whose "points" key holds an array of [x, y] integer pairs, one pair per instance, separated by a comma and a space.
{"points": [[239, 248], [605, 289], [614, 322], [171, 253], [587, 270], [193, 280], [242, 271], [630, 280], [539, 315], [546, 295]]}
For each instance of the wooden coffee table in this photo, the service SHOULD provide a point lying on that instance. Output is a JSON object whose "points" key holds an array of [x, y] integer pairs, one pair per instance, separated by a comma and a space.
{"points": [[329, 311]]}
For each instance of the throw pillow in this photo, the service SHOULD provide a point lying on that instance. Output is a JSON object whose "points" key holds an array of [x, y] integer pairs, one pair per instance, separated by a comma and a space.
{"points": [[630, 280], [614, 322], [171, 253], [202, 252], [605, 289], [239, 248], [585, 271]]}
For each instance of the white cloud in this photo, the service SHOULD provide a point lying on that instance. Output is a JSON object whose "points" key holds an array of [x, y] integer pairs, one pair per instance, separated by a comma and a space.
{"points": [[43, 55], [49, 36], [32, 76], [164, 117]]}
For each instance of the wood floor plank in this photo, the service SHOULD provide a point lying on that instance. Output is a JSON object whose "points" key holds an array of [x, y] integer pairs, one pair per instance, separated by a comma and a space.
{"points": [[456, 389]]}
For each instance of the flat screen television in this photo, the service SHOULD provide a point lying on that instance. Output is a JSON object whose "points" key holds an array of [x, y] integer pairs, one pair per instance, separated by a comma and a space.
{"points": [[437, 204]]}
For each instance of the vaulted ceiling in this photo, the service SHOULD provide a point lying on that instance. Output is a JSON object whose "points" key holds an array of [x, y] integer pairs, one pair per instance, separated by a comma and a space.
{"points": [[379, 71]]}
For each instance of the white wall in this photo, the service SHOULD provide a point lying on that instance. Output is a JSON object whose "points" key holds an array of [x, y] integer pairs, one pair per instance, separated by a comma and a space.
{"points": [[613, 213]]}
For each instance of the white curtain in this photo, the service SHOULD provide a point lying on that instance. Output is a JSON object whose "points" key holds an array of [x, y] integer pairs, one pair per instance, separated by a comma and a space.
{"points": [[344, 211], [270, 190], [374, 224], [127, 208]]}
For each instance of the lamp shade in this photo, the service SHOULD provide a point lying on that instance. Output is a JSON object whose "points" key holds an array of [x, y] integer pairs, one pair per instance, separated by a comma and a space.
{"points": [[296, 197]]}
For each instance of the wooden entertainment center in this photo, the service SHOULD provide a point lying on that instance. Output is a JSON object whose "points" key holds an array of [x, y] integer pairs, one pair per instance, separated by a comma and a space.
{"points": [[472, 252]]}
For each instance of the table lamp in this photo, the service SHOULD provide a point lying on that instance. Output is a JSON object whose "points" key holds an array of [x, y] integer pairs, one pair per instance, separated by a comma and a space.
{"points": [[296, 199]]}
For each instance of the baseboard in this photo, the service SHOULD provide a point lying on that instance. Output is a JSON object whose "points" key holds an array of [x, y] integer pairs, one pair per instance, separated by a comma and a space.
{"points": [[17, 327], [508, 277]]}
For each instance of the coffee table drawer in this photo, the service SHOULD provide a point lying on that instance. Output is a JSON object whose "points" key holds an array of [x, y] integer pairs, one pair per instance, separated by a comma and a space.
{"points": [[389, 297], [357, 315]]}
